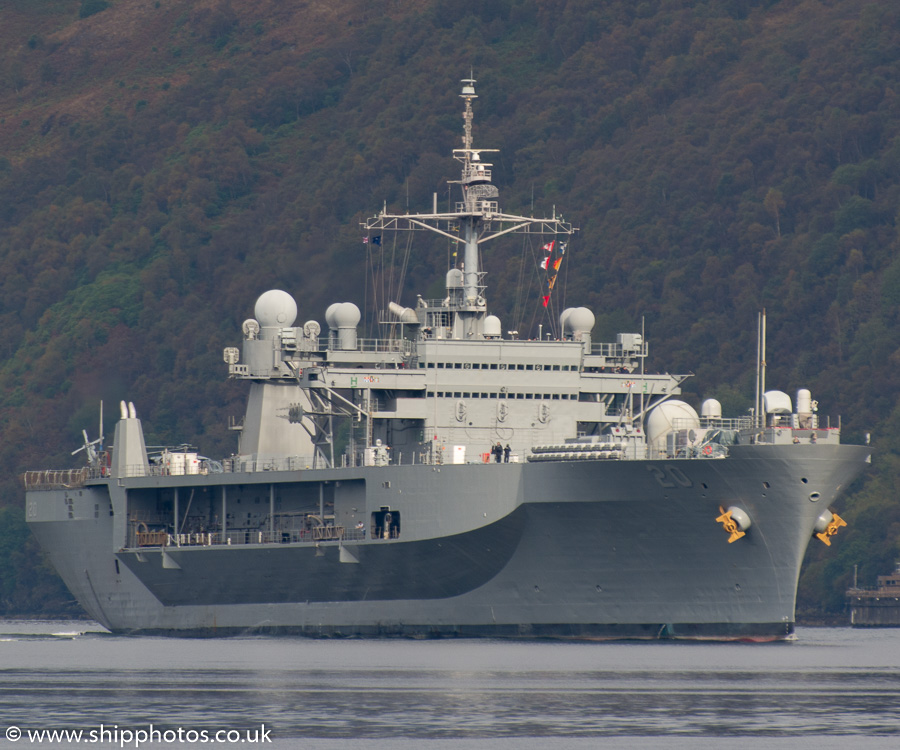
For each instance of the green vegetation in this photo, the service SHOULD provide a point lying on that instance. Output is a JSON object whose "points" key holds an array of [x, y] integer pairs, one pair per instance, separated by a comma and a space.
{"points": [[90, 7], [161, 164]]}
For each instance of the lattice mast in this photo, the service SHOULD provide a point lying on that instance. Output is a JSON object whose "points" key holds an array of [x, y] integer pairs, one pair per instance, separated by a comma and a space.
{"points": [[477, 218]]}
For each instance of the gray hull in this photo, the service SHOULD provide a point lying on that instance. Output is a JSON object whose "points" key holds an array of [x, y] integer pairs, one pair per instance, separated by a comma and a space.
{"points": [[562, 549]]}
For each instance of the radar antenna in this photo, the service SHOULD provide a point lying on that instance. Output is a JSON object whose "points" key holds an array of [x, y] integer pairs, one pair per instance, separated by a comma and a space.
{"points": [[92, 448], [476, 219]]}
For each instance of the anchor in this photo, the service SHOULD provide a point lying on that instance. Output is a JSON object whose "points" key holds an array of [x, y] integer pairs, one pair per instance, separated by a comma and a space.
{"points": [[732, 525]]}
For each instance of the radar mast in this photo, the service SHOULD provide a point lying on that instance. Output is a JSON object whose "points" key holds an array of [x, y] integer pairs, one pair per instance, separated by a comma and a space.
{"points": [[477, 219]]}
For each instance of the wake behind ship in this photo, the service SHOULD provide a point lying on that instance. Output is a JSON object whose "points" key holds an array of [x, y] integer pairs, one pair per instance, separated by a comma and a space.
{"points": [[450, 479]]}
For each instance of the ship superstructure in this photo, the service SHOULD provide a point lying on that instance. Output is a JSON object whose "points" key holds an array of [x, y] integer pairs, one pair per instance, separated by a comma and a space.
{"points": [[448, 478], [447, 385]]}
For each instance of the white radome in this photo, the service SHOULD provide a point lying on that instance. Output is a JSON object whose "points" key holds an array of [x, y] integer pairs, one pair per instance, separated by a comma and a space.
{"points": [[275, 309]]}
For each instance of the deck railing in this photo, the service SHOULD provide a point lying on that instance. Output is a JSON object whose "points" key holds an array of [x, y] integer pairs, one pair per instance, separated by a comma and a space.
{"points": [[56, 479], [245, 537]]}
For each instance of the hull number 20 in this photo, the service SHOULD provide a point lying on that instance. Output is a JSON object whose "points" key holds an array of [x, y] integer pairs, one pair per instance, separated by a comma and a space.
{"points": [[670, 476]]}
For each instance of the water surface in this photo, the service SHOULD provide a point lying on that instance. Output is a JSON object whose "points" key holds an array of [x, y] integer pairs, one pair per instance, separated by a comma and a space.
{"points": [[830, 687]]}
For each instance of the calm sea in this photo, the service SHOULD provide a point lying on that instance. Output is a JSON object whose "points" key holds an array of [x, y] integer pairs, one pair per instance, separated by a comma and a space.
{"points": [[830, 688]]}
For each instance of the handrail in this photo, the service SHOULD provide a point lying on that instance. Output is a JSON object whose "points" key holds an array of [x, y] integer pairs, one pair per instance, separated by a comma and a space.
{"points": [[56, 479], [247, 537]]}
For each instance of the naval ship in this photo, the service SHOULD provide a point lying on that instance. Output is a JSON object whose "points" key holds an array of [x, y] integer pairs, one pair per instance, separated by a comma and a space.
{"points": [[451, 479]]}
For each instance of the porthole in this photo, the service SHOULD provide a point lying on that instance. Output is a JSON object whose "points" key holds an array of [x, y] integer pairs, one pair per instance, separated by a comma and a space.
{"points": [[814, 496]]}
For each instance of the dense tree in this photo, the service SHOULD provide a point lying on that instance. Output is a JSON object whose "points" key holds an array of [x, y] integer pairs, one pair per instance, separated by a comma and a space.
{"points": [[161, 164]]}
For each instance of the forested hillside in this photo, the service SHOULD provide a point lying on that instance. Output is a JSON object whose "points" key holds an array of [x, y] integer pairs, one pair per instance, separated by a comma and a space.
{"points": [[163, 162]]}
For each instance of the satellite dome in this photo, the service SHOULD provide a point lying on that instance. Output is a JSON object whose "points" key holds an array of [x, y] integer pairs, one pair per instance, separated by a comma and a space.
{"points": [[454, 278], [492, 326], [711, 409], [579, 320], [668, 416], [276, 309], [329, 315], [346, 315]]}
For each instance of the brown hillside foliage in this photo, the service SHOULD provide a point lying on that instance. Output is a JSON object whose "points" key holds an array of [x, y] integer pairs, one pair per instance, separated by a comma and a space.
{"points": [[163, 162]]}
